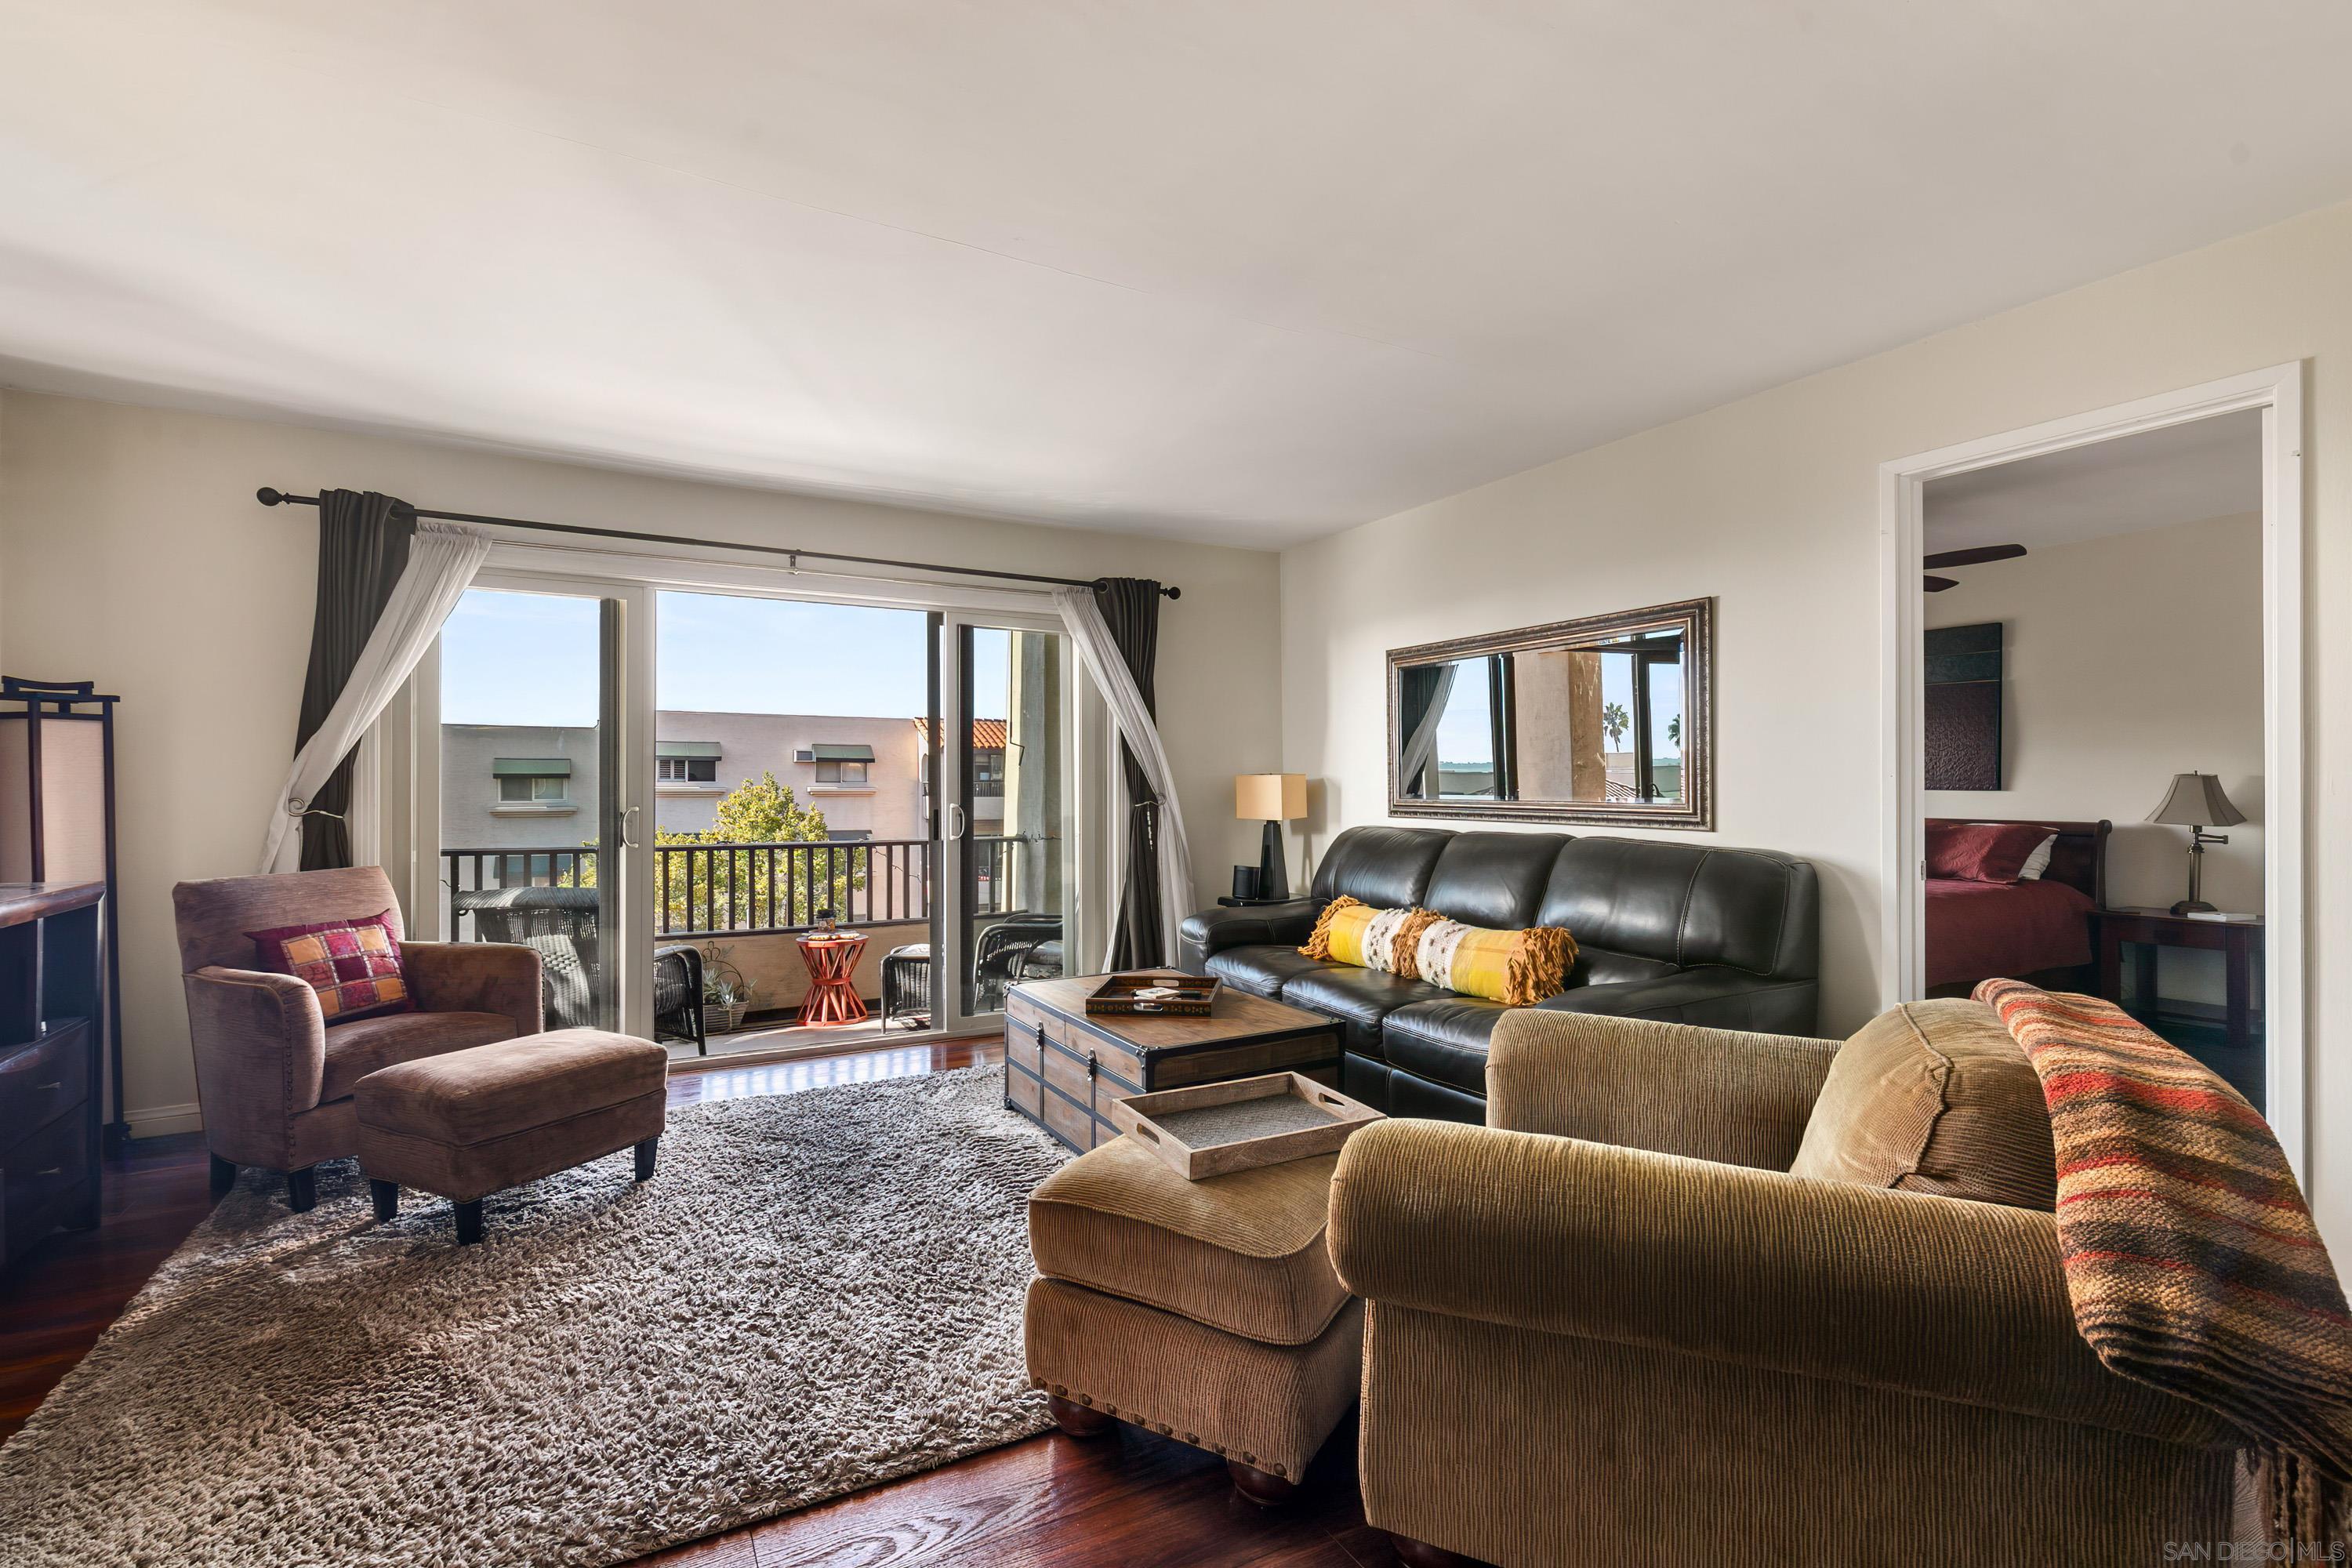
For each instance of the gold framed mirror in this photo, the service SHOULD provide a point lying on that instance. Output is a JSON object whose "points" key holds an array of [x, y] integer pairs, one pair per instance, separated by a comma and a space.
{"points": [[1602, 721]]}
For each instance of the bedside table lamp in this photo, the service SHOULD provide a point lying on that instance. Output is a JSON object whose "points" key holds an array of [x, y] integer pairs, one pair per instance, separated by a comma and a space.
{"points": [[1272, 799], [2195, 801]]}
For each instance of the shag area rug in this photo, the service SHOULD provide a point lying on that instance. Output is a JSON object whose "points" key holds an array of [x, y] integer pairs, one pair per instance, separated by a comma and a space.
{"points": [[818, 1291]]}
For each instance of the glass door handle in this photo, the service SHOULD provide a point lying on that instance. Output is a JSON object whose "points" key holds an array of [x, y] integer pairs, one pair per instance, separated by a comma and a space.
{"points": [[956, 821], [629, 827]]}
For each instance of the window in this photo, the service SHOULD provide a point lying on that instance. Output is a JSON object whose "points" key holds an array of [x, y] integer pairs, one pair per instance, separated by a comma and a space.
{"points": [[839, 762], [988, 771], [540, 789], [848, 835], [685, 770], [532, 781]]}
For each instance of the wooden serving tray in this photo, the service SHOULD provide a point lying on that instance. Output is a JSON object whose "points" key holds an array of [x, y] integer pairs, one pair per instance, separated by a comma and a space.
{"points": [[1216, 1129], [1116, 997]]}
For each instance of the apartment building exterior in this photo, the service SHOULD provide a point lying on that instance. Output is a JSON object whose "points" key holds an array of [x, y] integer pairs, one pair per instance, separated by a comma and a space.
{"points": [[520, 786]]}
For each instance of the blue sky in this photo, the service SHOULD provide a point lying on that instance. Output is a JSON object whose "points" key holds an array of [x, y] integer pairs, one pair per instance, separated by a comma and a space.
{"points": [[531, 658]]}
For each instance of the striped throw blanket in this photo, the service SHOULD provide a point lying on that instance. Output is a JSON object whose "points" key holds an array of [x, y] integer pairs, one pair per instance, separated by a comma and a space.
{"points": [[2190, 1256]]}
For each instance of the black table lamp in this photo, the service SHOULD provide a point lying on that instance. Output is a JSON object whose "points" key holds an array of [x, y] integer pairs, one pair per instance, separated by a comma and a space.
{"points": [[1272, 799], [2195, 801]]}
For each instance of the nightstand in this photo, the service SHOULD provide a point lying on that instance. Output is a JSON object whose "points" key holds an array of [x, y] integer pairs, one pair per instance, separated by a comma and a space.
{"points": [[2240, 943]]}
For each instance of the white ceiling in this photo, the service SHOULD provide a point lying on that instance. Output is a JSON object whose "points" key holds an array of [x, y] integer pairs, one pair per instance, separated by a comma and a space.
{"points": [[2182, 473], [1248, 272]]}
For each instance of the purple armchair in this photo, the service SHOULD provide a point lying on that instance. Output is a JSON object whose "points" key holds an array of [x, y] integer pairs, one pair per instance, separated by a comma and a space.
{"points": [[274, 1080]]}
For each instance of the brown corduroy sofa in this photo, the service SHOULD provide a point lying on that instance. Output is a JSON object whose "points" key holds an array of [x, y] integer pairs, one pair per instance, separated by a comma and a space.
{"points": [[1612, 1327]]}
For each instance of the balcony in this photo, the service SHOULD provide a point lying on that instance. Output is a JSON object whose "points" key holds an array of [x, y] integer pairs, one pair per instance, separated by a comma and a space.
{"points": [[744, 902]]}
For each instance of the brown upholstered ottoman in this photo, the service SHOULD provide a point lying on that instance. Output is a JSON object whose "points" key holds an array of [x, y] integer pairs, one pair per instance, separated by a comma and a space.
{"points": [[470, 1123], [1206, 1310]]}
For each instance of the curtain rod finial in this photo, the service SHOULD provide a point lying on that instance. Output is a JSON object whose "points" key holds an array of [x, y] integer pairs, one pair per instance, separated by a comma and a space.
{"points": [[1173, 593], [268, 496]]}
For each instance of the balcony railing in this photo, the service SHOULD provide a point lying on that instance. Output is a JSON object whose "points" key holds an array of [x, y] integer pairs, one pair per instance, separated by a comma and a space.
{"points": [[716, 889]]}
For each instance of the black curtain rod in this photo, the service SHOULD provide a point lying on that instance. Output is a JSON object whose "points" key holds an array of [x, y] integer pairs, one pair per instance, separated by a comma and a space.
{"points": [[268, 496]]}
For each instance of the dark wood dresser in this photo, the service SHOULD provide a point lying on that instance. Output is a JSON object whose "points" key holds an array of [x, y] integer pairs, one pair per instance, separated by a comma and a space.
{"points": [[50, 1067], [1062, 1069]]}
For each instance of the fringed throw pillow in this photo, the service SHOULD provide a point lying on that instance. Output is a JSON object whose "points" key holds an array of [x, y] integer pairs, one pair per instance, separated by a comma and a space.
{"points": [[1517, 968], [1349, 931]]}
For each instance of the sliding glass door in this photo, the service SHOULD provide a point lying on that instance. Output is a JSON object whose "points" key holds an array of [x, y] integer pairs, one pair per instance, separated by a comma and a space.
{"points": [[672, 794], [790, 794], [537, 807], [1006, 913]]}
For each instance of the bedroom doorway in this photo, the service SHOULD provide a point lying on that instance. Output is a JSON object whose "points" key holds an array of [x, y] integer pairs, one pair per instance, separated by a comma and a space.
{"points": [[2093, 689]]}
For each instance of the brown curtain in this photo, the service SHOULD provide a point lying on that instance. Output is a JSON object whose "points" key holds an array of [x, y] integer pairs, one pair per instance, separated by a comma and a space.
{"points": [[1130, 607], [362, 549]]}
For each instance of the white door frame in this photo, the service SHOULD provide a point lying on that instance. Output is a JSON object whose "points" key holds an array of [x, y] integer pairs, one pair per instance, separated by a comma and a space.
{"points": [[1902, 488]]}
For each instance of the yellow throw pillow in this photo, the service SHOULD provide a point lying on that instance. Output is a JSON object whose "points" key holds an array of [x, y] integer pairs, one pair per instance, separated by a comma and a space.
{"points": [[1516, 968], [1349, 931]]}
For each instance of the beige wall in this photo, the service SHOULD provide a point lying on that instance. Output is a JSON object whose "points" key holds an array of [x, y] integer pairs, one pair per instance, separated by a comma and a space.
{"points": [[6, 511], [1771, 504], [2128, 659], [135, 555]]}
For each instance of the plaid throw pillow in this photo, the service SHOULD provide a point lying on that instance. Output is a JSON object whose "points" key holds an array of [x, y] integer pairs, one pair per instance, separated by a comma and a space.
{"points": [[353, 965]]}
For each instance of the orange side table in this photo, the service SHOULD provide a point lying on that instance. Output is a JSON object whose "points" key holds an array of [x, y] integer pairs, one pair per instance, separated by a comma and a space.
{"points": [[833, 985]]}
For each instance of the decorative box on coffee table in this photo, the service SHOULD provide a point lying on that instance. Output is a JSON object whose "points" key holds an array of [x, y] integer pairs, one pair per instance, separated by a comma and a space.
{"points": [[1062, 1069]]}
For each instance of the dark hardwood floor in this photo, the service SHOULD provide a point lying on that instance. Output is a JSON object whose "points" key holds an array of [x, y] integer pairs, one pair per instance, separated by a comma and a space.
{"points": [[59, 1297], [1127, 1498]]}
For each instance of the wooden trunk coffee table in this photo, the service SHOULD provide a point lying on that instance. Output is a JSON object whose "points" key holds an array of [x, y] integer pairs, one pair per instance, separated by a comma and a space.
{"points": [[1063, 1069]]}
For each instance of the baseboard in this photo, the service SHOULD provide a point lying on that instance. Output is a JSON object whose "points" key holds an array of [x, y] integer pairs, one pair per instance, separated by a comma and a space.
{"points": [[158, 1120]]}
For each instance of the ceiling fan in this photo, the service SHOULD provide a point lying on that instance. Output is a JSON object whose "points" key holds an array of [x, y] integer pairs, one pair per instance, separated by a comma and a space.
{"points": [[1976, 557]]}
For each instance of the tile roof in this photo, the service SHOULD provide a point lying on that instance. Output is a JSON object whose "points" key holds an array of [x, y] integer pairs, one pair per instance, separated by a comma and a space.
{"points": [[986, 733]]}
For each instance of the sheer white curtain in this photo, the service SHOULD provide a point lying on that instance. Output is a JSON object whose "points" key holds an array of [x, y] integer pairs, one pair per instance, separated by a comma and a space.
{"points": [[442, 561], [1090, 635]]}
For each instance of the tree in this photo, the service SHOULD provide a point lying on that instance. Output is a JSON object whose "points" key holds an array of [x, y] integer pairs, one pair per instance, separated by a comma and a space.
{"points": [[762, 811], [745, 885], [1614, 721], [1674, 730], [750, 888]]}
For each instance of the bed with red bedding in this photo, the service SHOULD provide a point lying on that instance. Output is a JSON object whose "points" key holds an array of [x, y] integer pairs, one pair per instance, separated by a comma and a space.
{"points": [[1980, 928]]}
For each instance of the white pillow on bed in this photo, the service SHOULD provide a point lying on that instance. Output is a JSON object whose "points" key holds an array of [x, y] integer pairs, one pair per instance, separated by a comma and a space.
{"points": [[2039, 861]]}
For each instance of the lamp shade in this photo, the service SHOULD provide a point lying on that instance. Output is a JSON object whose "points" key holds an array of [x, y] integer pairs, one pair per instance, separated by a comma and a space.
{"points": [[2195, 800], [1270, 798]]}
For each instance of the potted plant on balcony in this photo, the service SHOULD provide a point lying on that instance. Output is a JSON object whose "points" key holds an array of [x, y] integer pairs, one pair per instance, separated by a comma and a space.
{"points": [[726, 995]]}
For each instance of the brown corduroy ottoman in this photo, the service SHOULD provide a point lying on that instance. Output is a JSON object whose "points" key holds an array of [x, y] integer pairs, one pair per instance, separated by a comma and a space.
{"points": [[470, 1123], [1207, 1311]]}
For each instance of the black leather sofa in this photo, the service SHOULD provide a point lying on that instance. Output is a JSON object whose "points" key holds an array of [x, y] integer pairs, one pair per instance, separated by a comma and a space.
{"points": [[1690, 933]]}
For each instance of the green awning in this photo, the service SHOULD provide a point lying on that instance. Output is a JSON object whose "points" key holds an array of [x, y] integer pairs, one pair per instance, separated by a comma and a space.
{"points": [[841, 753], [698, 749], [531, 767]]}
